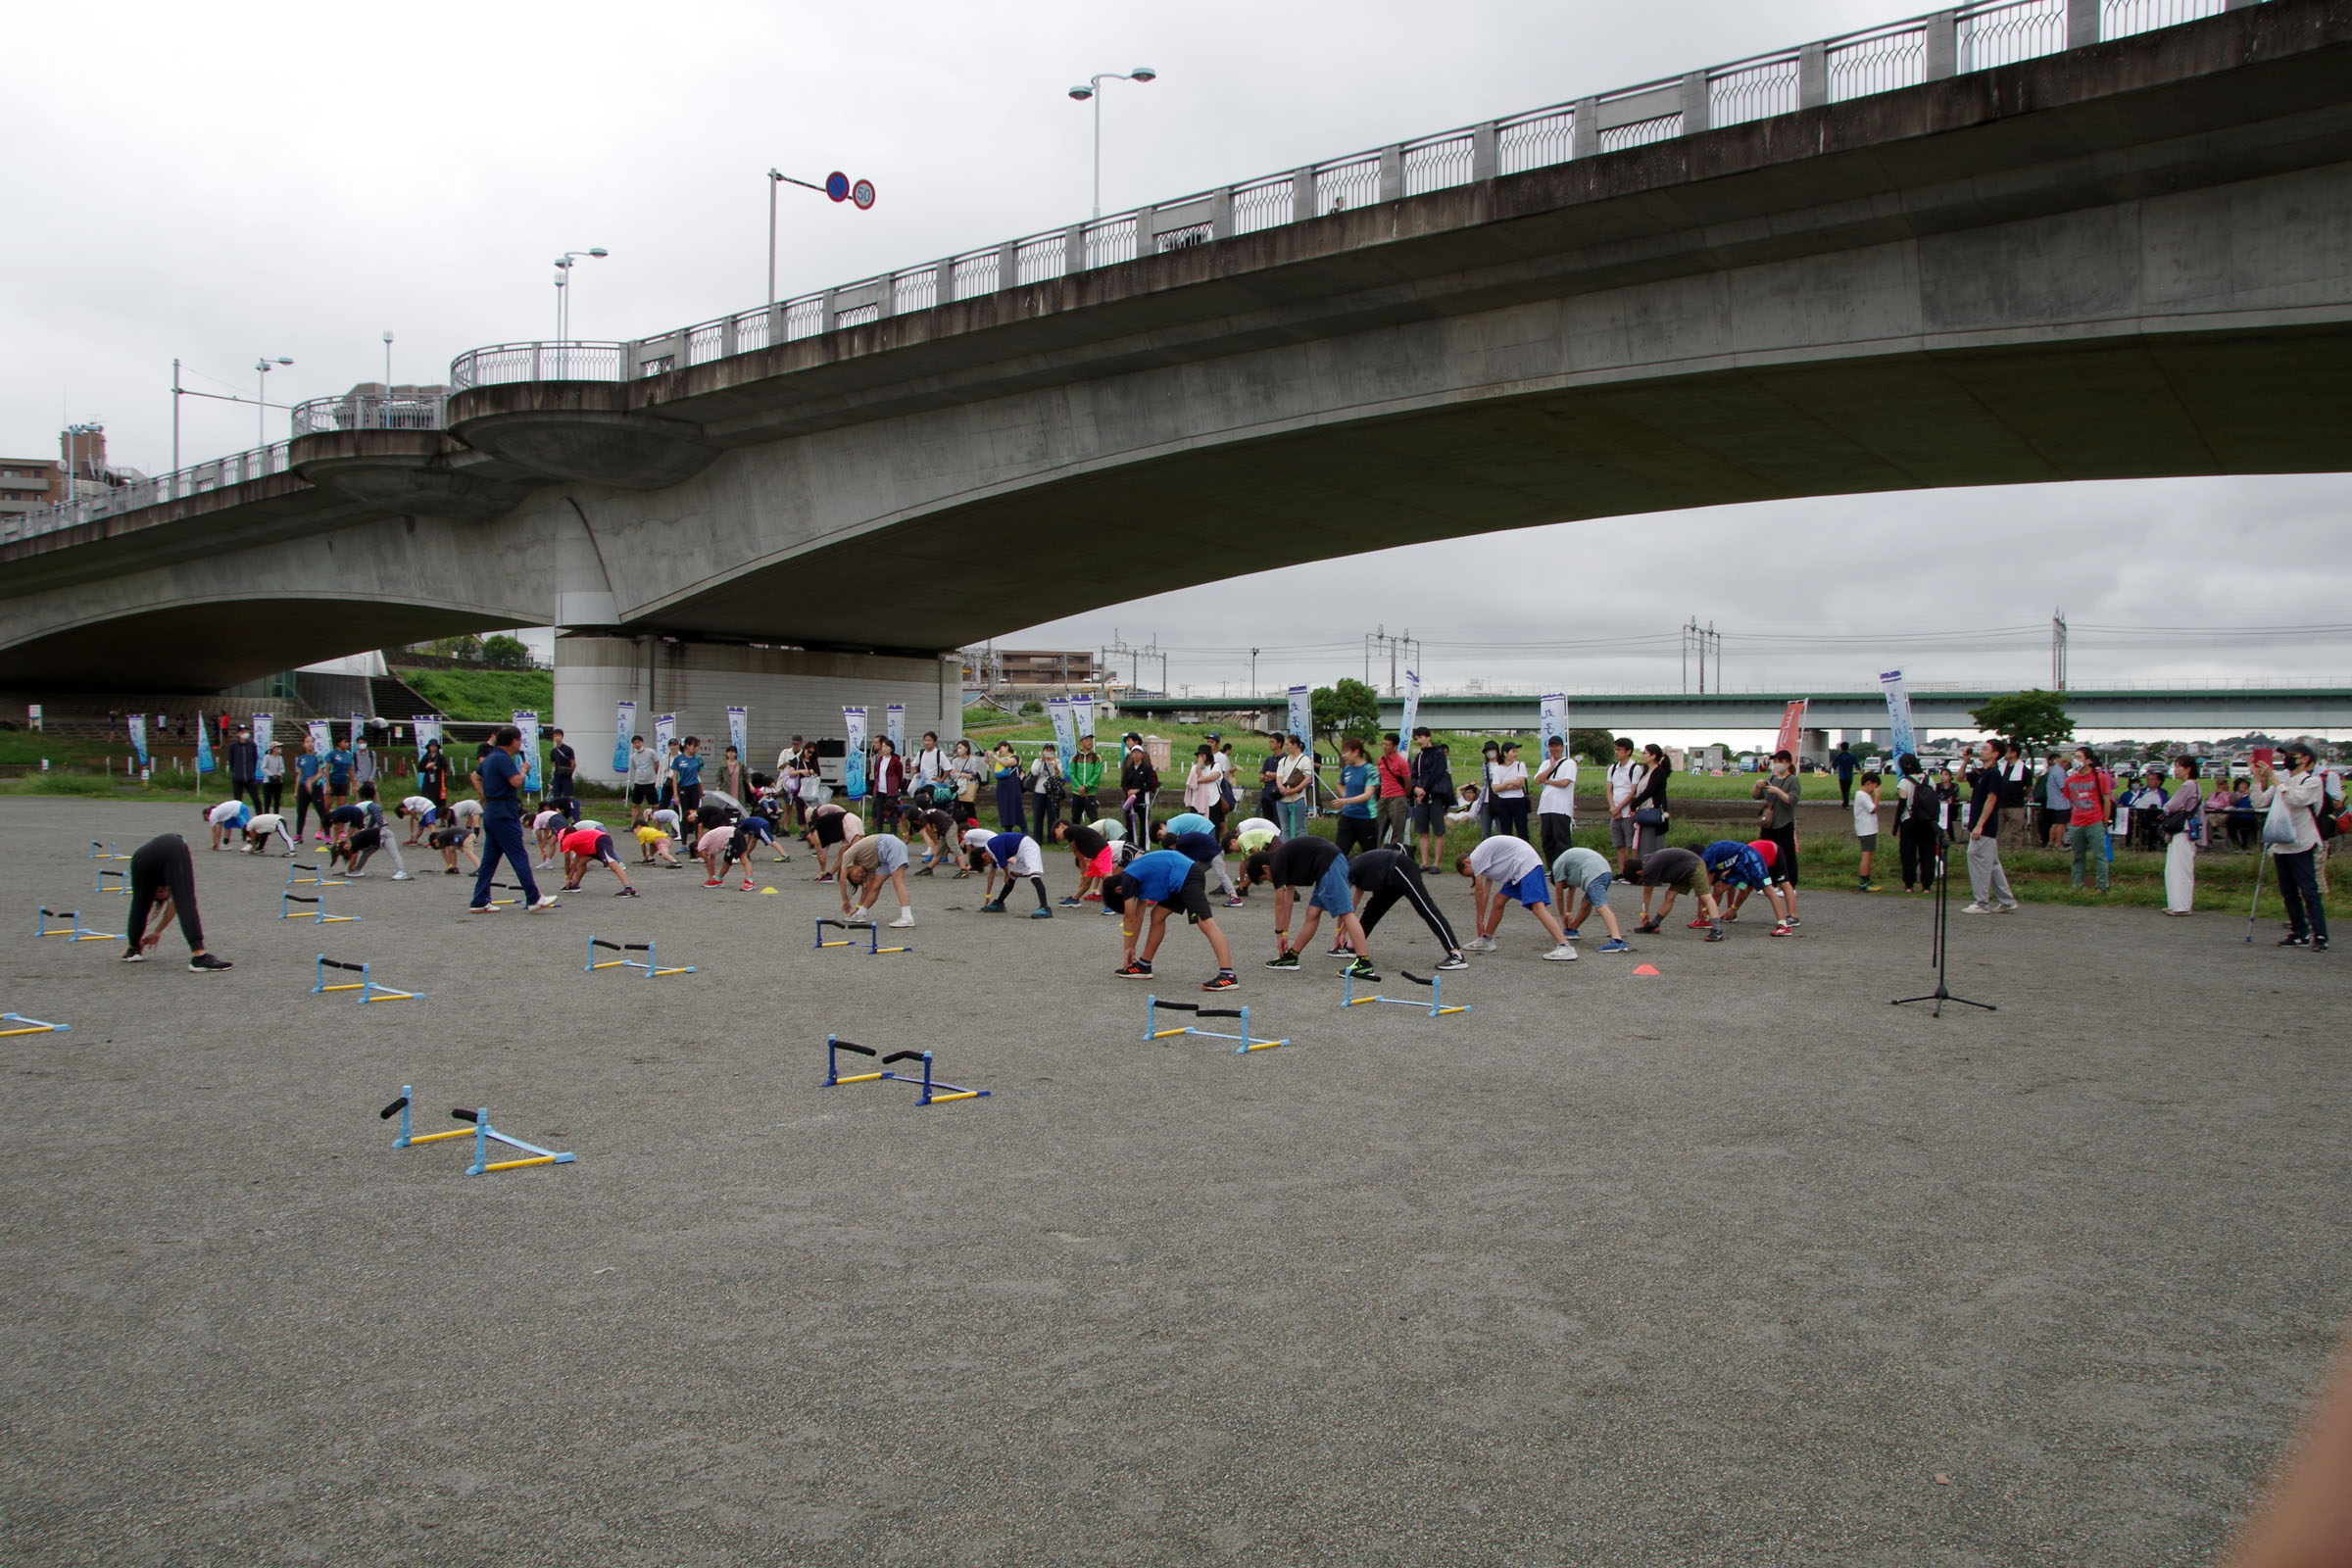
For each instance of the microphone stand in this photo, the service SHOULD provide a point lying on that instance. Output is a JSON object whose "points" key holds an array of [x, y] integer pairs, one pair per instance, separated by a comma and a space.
{"points": [[1943, 944]]}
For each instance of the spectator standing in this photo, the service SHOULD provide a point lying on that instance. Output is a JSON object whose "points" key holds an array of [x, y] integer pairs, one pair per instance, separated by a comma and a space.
{"points": [[2291, 832], [1918, 823], [1086, 781], [1780, 790], [1489, 755], [1653, 814], [1200, 790], [1005, 774], [2183, 835], [930, 769], [1046, 786], [1625, 779], [1270, 790], [645, 780], [1354, 831], [1138, 785], [1508, 814], [563, 767], [244, 769], [1432, 795], [1555, 807], [2090, 803], [273, 778], [730, 772], [1866, 830], [1395, 797], [2056, 809], [1294, 787], [1988, 882], [888, 785], [1843, 764]]}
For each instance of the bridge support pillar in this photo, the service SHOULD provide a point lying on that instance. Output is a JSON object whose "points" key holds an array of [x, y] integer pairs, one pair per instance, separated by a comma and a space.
{"points": [[788, 693]]}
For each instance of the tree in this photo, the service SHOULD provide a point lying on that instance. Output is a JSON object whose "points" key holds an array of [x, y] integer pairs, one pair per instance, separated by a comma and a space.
{"points": [[506, 653], [2036, 719], [1349, 708], [1595, 746]]}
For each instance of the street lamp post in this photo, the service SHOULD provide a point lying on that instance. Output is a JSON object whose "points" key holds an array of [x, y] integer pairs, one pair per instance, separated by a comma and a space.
{"points": [[387, 378], [1093, 89], [563, 265], [260, 396]]}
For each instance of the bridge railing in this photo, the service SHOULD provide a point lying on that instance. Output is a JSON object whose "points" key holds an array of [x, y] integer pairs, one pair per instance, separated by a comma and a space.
{"points": [[360, 411], [236, 469], [1854, 65]]}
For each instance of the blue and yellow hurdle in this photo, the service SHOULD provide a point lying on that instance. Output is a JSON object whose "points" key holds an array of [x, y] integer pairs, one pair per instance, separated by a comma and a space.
{"points": [[107, 852], [624, 962], [76, 931], [316, 912], [873, 936], [18, 1025], [1153, 1031], [481, 1132], [1434, 1006], [368, 989], [121, 880], [316, 878], [935, 1091]]}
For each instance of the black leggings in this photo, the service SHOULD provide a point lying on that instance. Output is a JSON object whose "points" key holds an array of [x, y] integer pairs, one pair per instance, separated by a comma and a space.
{"points": [[1785, 839], [307, 798], [161, 865], [1509, 818], [1354, 833], [1919, 842], [1403, 881]]}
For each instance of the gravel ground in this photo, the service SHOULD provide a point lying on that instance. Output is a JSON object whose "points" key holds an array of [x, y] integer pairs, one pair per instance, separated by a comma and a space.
{"points": [[1730, 1266]]}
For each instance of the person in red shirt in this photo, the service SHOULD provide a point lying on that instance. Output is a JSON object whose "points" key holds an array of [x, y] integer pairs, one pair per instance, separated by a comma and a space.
{"points": [[1396, 796], [2089, 802]]}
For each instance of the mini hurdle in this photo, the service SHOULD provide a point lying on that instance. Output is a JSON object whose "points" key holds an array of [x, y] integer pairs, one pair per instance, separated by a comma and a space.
{"points": [[17, 1025], [316, 878], [648, 963], [122, 881], [511, 888], [107, 853], [1434, 1006], [933, 1090], [1153, 1031], [873, 936], [76, 931], [367, 989], [481, 1132], [318, 914]]}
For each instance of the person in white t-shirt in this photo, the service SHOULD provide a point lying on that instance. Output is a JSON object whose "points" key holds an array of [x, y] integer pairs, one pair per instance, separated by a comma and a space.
{"points": [[417, 813], [227, 820], [1505, 871], [1506, 811], [1626, 778], [1555, 807], [1866, 829], [258, 831]]}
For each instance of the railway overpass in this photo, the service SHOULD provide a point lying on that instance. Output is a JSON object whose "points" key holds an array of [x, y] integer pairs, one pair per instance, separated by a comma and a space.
{"points": [[1878, 262]]}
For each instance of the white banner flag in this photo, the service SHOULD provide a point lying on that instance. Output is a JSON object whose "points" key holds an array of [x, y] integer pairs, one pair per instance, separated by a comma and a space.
{"points": [[1058, 708], [137, 728], [528, 722], [893, 726], [1554, 720], [323, 739], [739, 736], [429, 729], [852, 752], [1302, 716], [264, 734], [1899, 711], [624, 730], [665, 730], [1412, 711], [1083, 709]]}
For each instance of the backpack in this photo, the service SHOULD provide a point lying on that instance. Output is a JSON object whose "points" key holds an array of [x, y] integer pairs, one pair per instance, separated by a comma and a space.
{"points": [[1926, 804]]}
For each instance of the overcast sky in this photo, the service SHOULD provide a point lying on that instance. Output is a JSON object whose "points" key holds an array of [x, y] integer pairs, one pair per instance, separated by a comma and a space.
{"points": [[217, 182]]}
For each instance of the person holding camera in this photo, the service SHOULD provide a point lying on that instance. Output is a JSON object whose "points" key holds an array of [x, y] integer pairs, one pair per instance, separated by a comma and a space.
{"points": [[2290, 831]]}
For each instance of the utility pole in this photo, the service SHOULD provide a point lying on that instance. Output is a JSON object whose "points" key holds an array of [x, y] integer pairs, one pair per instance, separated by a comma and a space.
{"points": [[2058, 650], [1254, 673]]}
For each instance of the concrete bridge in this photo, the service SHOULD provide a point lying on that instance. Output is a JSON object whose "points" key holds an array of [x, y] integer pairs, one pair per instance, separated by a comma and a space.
{"points": [[2126, 258], [2151, 712]]}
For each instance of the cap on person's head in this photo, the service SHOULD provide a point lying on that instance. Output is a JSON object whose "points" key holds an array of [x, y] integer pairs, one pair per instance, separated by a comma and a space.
{"points": [[1558, 740]]}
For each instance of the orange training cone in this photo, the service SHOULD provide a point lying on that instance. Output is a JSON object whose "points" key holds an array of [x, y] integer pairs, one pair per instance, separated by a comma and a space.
{"points": [[1645, 968]]}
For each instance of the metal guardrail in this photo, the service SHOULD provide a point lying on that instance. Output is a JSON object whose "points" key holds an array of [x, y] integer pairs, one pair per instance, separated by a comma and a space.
{"points": [[1854, 65], [359, 411], [236, 469]]}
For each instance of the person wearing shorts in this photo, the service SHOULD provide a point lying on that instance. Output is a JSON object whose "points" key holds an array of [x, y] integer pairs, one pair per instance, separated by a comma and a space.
{"points": [[419, 813], [1315, 863], [1504, 870], [1583, 879], [228, 822], [867, 864], [1142, 894], [653, 844], [1677, 870], [1733, 871], [1386, 875], [1625, 780], [938, 827], [1093, 853], [258, 831], [1016, 854], [584, 847], [829, 828], [645, 779], [1185, 823]]}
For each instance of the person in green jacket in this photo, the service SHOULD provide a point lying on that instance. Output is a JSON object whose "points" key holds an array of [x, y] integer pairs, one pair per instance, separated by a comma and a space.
{"points": [[1086, 776]]}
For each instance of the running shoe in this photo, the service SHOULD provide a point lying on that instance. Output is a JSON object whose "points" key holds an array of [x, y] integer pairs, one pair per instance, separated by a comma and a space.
{"points": [[1072, 902], [1647, 929], [711, 882], [958, 877], [1614, 944], [1717, 936], [1134, 971], [571, 886], [1729, 918], [1976, 908], [1572, 934], [135, 955], [547, 901], [1479, 945], [1780, 930], [1223, 981], [2319, 943], [1340, 950], [1792, 921], [1452, 962], [992, 907], [2011, 909], [1090, 897], [451, 870], [627, 893], [355, 873], [827, 877], [926, 870], [744, 886], [485, 908], [905, 921], [401, 876], [206, 964], [1563, 953], [1702, 922], [1361, 969], [2296, 940], [1041, 913], [1289, 960], [1235, 903]]}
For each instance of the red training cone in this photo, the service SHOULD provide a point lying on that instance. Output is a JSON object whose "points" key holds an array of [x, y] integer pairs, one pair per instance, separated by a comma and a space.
{"points": [[1645, 968]]}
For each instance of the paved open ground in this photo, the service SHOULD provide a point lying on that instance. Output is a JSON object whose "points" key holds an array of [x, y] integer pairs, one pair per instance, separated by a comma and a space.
{"points": [[1733, 1265]]}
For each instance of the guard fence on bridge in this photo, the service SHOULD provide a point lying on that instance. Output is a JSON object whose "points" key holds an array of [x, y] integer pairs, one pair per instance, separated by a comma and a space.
{"points": [[1881, 58]]}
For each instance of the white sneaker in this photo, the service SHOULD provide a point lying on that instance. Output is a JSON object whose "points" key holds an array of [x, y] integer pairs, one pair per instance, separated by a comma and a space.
{"points": [[545, 901], [1479, 945], [1563, 953], [903, 921], [401, 876], [1976, 908]]}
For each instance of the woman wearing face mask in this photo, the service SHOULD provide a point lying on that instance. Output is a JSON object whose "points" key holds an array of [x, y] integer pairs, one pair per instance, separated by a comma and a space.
{"points": [[2291, 833], [1779, 790]]}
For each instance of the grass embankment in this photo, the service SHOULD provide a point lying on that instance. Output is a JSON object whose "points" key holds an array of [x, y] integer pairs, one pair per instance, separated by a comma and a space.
{"points": [[485, 696]]}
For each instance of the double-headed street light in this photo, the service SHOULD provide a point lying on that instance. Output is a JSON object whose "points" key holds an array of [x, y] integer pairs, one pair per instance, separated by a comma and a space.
{"points": [[1093, 88], [563, 265], [260, 390]]}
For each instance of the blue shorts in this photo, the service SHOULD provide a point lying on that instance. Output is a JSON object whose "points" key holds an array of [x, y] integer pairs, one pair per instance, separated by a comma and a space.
{"points": [[1334, 895], [1596, 891], [1530, 890]]}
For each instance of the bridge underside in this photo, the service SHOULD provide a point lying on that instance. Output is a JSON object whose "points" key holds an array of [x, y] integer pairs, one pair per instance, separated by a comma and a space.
{"points": [[2163, 405], [213, 646]]}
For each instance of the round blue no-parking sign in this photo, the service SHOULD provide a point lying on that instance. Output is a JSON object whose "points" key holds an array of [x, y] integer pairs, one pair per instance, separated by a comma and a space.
{"points": [[837, 185]]}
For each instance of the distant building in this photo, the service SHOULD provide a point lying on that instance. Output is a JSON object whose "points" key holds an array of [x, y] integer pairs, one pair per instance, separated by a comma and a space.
{"points": [[82, 469], [28, 482], [1025, 669]]}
